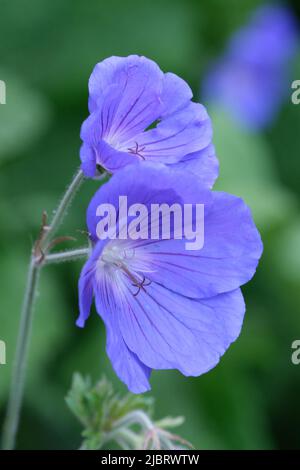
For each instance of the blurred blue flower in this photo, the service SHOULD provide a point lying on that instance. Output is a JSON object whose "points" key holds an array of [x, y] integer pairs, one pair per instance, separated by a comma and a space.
{"points": [[165, 307], [252, 78], [139, 113]]}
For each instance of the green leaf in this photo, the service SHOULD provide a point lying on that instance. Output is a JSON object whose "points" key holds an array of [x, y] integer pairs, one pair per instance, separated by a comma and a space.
{"points": [[98, 408]]}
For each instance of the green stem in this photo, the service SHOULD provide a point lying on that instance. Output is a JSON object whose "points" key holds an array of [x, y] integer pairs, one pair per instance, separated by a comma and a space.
{"points": [[63, 206], [17, 384], [18, 377], [70, 255]]}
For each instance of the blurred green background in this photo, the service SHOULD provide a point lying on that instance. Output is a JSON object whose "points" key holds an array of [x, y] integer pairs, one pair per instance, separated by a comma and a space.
{"points": [[47, 52]]}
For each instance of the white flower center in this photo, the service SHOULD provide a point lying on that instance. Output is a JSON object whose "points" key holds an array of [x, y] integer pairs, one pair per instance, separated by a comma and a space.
{"points": [[125, 262]]}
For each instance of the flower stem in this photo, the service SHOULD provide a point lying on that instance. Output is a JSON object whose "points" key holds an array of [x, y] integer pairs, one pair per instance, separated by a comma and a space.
{"points": [[18, 377], [63, 205], [17, 384], [69, 255]]}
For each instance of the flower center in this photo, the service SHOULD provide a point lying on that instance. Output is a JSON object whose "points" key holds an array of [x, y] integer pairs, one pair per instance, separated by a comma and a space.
{"points": [[136, 150], [123, 259]]}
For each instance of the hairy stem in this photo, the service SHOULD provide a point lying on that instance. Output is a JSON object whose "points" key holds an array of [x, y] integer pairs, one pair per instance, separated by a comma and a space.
{"points": [[36, 262], [17, 384], [69, 255], [63, 206]]}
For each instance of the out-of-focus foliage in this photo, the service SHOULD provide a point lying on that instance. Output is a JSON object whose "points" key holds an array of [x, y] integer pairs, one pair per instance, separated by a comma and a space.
{"points": [[47, 50], [98, 408], [25, 116], [247, 170]]}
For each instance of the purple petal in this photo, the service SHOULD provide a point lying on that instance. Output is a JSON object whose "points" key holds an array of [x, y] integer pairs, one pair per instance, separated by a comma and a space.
{"points": [[228, 259], [270, 38], [176, 94], [204, 164], [249, 92], [88, 160], [128, 90], [129, 96], [166, 330], [102, 77], [111, 159], [180, 134], [147, 183], [169, 331], [85, 288], [126, 364], [163, 306], [251, 80]]}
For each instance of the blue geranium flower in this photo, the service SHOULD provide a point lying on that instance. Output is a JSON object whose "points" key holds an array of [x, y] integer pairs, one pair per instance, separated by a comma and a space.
{"points": [[165, 307], [139, 113], [252, 78]]}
